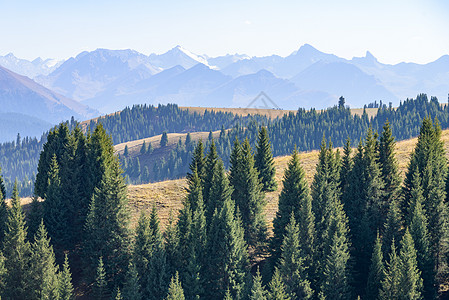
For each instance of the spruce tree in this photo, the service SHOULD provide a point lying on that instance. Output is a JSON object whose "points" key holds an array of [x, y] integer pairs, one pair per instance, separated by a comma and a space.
{"points": [[419, 231], [156, 273], [175, 291], [294, 198], [220, 190], [106, 231], [376, 272], [43, 271], [264, 162], [291, 265], [164, 139], [210, 163], [248, 196], [226, 253], [277, 288], [35, 217], [2, 273], [100, 289], [131, 287], [16, 251], [142, 247], [3, 209], [65, 286], [198, 162], [257, 291], [393, 226], [143, 149], [171, 241], [391, 285], [411, 281], [346, 165]]}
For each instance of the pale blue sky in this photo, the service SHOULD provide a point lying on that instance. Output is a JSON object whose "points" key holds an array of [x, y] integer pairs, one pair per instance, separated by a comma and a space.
{"points": [[393, 30]]}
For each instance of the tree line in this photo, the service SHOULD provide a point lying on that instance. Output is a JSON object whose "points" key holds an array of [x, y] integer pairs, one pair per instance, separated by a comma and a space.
{"points": [[357, 231]]}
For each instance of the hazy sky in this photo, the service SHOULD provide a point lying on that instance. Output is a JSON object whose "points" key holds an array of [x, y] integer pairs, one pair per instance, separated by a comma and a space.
{"points": [[393, 30]]}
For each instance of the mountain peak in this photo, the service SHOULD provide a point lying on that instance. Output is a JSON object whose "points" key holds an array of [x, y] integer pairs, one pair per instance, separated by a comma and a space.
{"points": [[370, 56], [306, 49]]}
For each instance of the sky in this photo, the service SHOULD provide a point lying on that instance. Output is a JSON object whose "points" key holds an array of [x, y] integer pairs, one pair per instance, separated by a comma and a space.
{"points": [[392, 30]]}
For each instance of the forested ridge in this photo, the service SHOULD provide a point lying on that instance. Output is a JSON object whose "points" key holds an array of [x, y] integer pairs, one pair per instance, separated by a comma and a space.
{"points": [[357, 231], [303, 129]]}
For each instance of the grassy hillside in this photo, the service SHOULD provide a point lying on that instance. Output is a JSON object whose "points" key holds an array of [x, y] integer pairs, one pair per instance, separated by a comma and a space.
{"points": [[168, 195]]}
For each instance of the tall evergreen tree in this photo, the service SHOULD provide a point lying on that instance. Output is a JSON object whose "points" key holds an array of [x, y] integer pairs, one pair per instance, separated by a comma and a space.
{"points": [[294, 198], [393, 226], [100, 289], [16, 250], [171, 241], [249, 197], [106, 231], [35, 216], [143, 247], [411, 281], [346, 165], [376, 272], [175, 291], [419, 231], [131, 287], [143, 149], [65, 286], [277, 288], [210, 163], [391, 284], [257, 291], [291, 265], [3, 209], [227, 256], [220, 190], [43, 271], [264, 162], [164, 139]]}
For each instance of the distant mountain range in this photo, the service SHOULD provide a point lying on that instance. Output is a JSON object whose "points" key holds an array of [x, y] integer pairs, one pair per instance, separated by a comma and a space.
{"points": [[109, 80]]}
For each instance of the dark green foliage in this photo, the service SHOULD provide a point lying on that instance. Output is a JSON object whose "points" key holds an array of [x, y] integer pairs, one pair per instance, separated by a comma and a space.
{"points": [[164, 139], [43, 272], [3, 209], [131, 287], [126, 151], [100, 289], [411, 281], [257, 291], [247, 194], [277, 288], [16, 251], [2, 273], [264, 162], [143, 247], [175, 291], [106, 230], [65, 286], [143, 149], [35, 216], [171, 239], [210, 163], [393, 226], [226, 253], [430, 162], [291, 266], [346, 165], [294, 198], [197, 163], [391, 284], [376, 271], [220, 190]]}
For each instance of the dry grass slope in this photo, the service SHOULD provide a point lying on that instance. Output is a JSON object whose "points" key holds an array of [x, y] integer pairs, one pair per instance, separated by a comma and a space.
{"points": [[168, 195]]}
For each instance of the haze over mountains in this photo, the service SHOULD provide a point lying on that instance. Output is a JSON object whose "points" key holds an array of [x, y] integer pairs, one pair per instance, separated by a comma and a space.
{"points": [[109, 80]]}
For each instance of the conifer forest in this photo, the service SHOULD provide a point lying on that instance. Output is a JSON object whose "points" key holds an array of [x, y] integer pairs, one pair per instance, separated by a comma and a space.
{"points": [[361, 230]]}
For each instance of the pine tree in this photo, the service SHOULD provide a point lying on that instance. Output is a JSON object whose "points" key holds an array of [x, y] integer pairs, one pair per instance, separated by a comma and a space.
{"points": [[3, 209], [376, 272], [131, 287], [411, 281], [35, 217], [210, 163], [248, 195], [389, 166], [220, 190], [106, 231], [65, 281], [337, 273], [16, 251], [164, 139], [43, 271], [126, 151], [198, 162], [294, 198], [226, 253], [156, 273], [257, 291], [175, 291], [100, 289], [291, 264], [264, 162], [277, 288], [419, 232], [171, 239], [391, 284], [55, 210], [346, 165], [393, 226], [143, 149]]}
